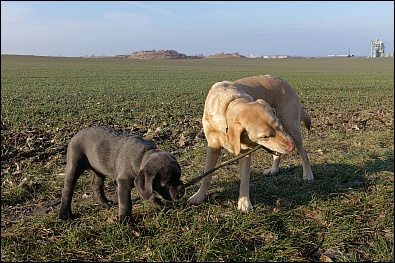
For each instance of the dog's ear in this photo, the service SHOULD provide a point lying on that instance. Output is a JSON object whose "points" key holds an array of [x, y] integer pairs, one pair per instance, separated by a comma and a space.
{"points": [[144, 182], [233, 136]]}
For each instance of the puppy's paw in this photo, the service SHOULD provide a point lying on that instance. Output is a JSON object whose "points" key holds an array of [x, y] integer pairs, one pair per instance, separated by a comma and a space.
{"points": [[107, 204], [244, 204], [156, 202], [270, 171], [65, 216], [65, 213], [196, 198]]}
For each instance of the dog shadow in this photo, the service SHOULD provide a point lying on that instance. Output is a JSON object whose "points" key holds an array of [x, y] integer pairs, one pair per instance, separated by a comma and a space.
{"points": [[287, 189], [284, 191]]}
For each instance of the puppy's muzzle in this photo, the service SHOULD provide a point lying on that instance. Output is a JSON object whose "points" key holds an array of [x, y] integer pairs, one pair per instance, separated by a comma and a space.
{"points": [[180, 191]]}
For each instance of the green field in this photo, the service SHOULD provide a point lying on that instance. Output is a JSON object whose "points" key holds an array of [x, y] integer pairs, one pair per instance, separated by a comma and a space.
{"points": [[347, 214]]}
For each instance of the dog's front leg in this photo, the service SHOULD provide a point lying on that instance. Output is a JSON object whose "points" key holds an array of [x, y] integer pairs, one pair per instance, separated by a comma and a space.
{"points": [[124, 200], [244, 203], [211, 159], [275, 167]]}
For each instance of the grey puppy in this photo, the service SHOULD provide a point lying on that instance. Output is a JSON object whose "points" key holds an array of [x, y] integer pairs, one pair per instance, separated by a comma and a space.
{"points": [[130, 160]]}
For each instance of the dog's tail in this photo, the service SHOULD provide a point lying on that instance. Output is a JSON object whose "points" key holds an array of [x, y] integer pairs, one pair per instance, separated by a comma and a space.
{"points": [[305, 117]]}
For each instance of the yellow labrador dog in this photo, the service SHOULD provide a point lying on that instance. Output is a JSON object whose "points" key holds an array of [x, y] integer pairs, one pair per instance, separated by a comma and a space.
{"points": [[240, 115]]}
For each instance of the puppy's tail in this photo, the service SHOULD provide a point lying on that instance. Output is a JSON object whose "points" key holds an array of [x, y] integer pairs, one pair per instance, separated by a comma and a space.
{"points": [[305, 117]]}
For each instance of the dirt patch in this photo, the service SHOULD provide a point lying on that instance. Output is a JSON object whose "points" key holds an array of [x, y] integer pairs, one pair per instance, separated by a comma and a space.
{"points": [[172, 54], [158, 54]]}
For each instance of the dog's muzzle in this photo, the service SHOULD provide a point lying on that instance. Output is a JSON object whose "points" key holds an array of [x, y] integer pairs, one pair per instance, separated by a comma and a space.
{"points": [[270, 151], [180, 191], [174, 193]]}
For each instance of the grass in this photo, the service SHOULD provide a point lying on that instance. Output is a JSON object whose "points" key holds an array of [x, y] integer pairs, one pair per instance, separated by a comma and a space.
{"points": [[345, 215]]}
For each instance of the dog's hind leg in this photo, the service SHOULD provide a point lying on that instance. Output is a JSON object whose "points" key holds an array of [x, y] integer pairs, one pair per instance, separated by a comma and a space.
{"points": [[293, 129], [211, 159], [296, 136], [97, 181], [74, 169]]}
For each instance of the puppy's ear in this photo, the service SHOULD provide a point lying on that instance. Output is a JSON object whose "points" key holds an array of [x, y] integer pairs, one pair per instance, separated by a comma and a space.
{"points": [[143, 183], [233, 136]]}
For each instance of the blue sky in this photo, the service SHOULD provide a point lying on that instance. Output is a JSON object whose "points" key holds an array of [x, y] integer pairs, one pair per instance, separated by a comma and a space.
{"points": [[295, 28]]}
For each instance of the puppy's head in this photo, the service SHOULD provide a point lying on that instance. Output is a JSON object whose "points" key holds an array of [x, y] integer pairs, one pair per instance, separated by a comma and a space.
{"points": [[255, 124], [160, 175]]}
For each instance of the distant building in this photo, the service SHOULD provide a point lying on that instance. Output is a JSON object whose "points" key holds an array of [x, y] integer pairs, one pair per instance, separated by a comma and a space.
{"points": [[275, 56], [377, 49], [340, 56]]}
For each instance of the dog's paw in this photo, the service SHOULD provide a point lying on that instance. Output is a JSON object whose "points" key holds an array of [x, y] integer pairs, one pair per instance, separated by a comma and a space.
{"points": [[107, 204], [308, 175], [156, 202], [244, 204], [196, 199], [65, 215], [308, 179], [270, 171]]}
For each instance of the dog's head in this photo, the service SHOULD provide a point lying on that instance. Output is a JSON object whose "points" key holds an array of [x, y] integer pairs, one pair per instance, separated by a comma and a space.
{"points": [[256, 123], [160, 174]]}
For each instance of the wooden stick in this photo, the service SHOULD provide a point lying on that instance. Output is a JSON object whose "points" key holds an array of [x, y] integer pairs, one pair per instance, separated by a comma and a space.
{"points": [[193, 181]]}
